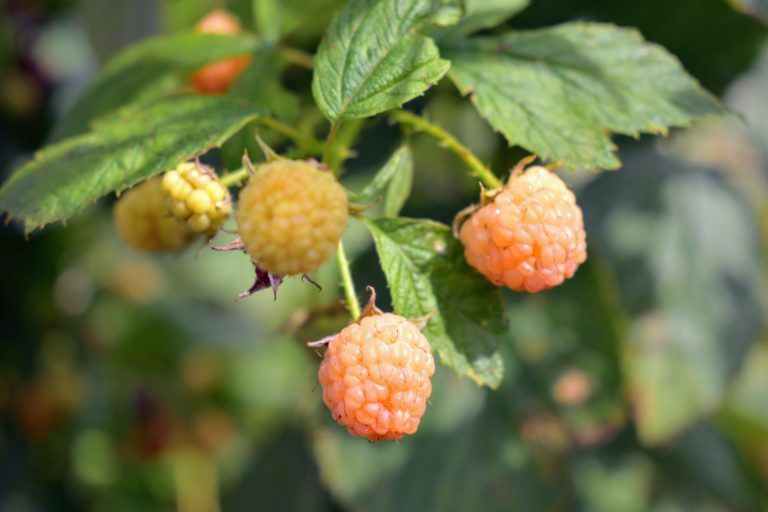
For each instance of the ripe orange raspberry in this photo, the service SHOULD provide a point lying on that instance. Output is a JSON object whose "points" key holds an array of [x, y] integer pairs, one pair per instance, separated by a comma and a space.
{"points": [[376, 377], [529, 236], [215, 78], [144, 222], [291, 216], [194, 195]]}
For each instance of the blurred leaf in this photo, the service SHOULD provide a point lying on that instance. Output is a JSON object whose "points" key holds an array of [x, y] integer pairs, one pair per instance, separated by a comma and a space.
{"points": [[148, 70], [482, 14], [624, 486], [393, 181], [260, 85], [558, 91], [685, 251], [297, 19], [746, 409], [756, 8], [372, 59], [125, 148], [282, 476], [427, 274]]}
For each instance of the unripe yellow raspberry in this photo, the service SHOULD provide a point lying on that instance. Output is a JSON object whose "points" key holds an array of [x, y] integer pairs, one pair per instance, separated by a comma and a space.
{"points": [[195, 195], [291, 215], [528, 236], [143, 221], [376, 377]]}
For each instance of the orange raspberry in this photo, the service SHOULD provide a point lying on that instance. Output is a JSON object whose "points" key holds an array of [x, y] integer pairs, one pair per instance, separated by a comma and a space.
{"points": [[376, 377], [291, 216], [144, 222], [528, 236], [215, 78]]}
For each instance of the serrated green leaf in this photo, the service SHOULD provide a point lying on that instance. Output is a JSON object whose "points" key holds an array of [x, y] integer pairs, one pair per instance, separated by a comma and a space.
{"points": [[427, 274], [124, 148], [148, 70], [482, 14], [393, 181], [560, 91], [372, 58]]}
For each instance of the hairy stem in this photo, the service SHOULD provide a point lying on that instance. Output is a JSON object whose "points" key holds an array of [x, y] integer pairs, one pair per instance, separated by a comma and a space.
{"points": [[353, 305], [451, 143]]}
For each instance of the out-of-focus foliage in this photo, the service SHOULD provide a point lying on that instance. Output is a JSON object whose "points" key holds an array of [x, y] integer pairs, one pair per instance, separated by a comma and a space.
{"points": [[130, 382]]}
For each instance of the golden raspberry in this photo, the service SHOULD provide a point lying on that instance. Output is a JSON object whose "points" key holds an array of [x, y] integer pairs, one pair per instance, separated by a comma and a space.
{"points": [[215, 78], [530, 237], [376, 377], [291, 216], [144, 222], [194, 195]]}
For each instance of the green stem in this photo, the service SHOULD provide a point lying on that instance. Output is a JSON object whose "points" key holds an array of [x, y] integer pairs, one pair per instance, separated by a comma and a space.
{"points": [[353, 305], [296, 56], [450, 142], [234, 178], [306, 142], [329, 143]]}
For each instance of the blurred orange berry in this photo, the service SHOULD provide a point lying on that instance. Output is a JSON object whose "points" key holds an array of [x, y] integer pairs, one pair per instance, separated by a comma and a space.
{"points": [[215, 78]]}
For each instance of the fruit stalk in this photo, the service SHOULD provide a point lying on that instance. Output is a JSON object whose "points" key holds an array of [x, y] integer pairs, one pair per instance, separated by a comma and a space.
{"points": [[451, 143], [353, 305]]}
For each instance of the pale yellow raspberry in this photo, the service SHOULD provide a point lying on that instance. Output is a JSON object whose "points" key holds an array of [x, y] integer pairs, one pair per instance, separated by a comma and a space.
{"points": [[143, 221], [195, 195], [290, 216]]}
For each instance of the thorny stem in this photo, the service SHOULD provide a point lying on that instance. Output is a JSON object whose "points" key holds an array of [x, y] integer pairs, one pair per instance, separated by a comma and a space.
{"points": [[450, 142], [296, 56], [329, 143], [353, 305]]}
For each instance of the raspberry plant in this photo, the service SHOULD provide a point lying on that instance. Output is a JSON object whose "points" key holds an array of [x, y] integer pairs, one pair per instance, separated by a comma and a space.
{"points": [[556, 93]]}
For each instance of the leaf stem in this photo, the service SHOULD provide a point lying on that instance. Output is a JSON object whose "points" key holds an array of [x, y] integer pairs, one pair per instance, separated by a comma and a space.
{"points": [[353, 305], [450, 142], [234, 178], [306, 142], [329, 143], [296, 56]]}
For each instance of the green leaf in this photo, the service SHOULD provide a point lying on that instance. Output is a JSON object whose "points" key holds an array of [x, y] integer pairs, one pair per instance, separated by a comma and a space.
{"points": [[560, 91], [482, 14], [372, 58], [393, 181], [297, 19], [149, 70], [125, 148], [427, 274], [685, 250]]}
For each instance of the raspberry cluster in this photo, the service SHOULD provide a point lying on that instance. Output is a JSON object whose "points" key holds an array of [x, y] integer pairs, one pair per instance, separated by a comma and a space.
{"points": [[143, 221], [376, 377], [530, 236], [291, 216], [194, 195]]}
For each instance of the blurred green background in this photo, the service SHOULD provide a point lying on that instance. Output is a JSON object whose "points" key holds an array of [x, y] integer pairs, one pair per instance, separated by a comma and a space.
{"points": [[133, 382]]}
